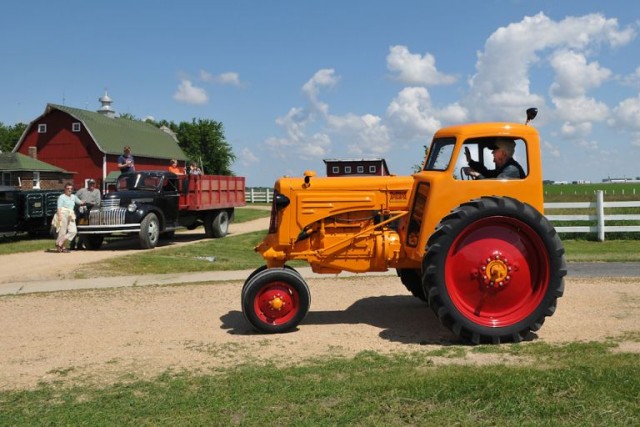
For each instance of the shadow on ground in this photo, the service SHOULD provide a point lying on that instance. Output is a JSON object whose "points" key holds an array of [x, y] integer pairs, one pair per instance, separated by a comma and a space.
{"points": [[401, 318]]}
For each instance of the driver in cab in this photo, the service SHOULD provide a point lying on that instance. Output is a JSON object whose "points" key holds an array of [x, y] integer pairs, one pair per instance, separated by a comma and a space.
{"points": [[506, 166]]}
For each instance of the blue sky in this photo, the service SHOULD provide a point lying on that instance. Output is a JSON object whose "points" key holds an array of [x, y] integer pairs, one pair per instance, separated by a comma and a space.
{"points": [[295, 82]]}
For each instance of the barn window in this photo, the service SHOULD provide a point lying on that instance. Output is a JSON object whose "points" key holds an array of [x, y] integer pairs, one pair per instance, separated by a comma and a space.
{"points": [[335, 169], [75, 127], [360, 169], [372, 169], [36, 180], [347, 169], [42, 128], [6, 178]]}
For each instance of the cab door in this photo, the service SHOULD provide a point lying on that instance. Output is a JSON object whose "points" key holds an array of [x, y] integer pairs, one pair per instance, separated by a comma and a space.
{"points": [[8, 211]]}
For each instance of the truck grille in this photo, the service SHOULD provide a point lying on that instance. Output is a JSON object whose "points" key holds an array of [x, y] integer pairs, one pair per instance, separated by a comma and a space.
{"points": [[110, 204], [107, 216]]}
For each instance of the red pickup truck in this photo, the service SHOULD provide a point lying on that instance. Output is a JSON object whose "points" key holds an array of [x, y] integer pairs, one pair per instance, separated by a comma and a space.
{"points": [[154, 203]]}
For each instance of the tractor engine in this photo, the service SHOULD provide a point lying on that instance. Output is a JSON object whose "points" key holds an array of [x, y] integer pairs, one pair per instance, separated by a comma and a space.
{"points": [[337, 223]]}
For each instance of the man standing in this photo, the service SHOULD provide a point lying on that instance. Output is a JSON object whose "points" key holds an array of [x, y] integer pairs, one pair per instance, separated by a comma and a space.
{"points": [[91, 197], [65, 218], [125, 161]]}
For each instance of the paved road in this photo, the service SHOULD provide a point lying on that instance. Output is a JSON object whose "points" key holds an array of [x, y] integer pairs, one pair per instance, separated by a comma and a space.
{"points": [[577, 269]]}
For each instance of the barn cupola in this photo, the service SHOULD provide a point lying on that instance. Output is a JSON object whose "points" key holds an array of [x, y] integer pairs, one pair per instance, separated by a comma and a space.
{"points": [[106, 106]]}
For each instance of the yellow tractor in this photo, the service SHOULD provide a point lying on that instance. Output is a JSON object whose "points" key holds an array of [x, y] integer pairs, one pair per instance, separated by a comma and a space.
{"points": [[478, 250]]}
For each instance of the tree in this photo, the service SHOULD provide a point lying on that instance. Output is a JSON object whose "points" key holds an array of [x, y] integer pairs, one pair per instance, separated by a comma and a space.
{"points": [[203, 141], [10, 135]]}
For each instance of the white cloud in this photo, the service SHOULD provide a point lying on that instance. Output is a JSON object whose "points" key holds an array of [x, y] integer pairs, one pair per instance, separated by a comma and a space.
{"points": [[247, 158], [190, 94], [575, 131], [413, 69], [322, 78], [574, 76], [229, 78], [550, 149], [627, 114], [367, 133], [501, 87], [411, 114]]}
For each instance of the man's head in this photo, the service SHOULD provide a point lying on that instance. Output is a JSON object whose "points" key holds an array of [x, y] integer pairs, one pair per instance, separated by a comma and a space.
{"points": [[503, 150], [126, 149], [91, 184]]}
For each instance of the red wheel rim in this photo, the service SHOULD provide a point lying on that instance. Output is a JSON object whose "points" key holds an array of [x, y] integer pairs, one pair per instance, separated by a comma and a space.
{"points": [[276, 303], [518, 258]]}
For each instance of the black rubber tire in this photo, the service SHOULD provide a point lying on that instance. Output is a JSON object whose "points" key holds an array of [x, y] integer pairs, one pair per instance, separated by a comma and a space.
{"points": [[216, 224], [149, 231], [284, 280], [93, 241], [260, 269], [517, 222], [412, 280]]}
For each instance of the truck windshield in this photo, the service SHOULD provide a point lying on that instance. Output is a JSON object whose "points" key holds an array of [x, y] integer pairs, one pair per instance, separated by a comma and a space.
{"points": [[138, 182], [440, 154]]}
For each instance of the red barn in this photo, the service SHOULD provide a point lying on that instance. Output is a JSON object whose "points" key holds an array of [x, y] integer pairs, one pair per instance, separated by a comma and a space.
{"points": [[89, 143]]}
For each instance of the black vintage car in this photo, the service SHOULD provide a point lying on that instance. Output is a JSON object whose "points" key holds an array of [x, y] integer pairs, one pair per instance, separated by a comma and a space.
{"points": [[28, 211]]}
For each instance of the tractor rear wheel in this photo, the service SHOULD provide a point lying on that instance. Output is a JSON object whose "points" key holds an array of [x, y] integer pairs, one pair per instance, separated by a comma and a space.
{"points": [[493, 270], [275, 300], [412, 280]]}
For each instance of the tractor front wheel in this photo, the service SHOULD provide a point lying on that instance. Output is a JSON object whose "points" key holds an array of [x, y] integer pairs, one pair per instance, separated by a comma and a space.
{"points": [[493, 270], [275, 300]]}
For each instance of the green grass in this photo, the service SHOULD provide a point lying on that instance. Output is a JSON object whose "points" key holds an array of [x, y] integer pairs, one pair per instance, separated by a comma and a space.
{"points": [[231, 253], [561, 385], [607, 251]]}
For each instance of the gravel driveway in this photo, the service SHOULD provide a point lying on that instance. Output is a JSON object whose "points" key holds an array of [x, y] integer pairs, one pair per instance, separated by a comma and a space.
{"points": [[108, 335]]}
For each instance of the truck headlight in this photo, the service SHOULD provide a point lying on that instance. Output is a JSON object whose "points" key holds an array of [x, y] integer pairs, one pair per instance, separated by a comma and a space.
{"points": [[132, 207]]}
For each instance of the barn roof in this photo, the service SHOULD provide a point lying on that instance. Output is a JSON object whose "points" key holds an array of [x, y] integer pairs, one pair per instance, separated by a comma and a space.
{"points": [[111, 134], [19, 162]]}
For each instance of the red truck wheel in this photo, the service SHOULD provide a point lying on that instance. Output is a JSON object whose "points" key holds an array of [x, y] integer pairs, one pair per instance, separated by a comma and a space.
{"points": [[275, 300], [494, 270]]}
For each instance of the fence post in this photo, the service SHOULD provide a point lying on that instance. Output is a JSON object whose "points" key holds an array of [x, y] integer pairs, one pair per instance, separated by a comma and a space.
{"points": [[252, 196], [600, 211]]}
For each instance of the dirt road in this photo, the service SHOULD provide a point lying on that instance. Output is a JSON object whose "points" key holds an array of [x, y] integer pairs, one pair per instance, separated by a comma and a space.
{"points": [[48, 265], [103, 336]]}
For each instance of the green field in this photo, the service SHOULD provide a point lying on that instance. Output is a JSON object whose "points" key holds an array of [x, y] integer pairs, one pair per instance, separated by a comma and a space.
{"points": [[587, 192]]}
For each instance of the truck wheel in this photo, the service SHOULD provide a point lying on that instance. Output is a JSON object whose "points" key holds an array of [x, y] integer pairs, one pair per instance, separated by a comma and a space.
{"points": [[275, 300], [412, 279], [94, 241], [149, 231], [216, 224], [493, 270]]}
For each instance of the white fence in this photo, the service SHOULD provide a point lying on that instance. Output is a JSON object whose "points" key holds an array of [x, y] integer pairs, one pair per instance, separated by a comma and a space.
{"points": [[265, 195], [258, 195], [600, 217]]}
